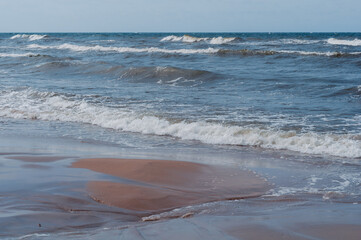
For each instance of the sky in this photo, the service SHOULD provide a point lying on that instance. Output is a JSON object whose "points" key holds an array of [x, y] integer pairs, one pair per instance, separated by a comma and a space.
{"points": [[180, 15]]}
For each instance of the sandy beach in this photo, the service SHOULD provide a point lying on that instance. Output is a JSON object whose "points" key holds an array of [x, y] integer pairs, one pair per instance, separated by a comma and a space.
{"points": [[65, 193]]}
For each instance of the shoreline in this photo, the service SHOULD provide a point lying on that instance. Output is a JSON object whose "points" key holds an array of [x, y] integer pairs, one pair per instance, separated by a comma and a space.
{"points": [[50, 182]]}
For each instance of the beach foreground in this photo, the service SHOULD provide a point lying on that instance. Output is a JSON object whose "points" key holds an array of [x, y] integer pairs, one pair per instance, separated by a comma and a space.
{"points": [[55, 189]]}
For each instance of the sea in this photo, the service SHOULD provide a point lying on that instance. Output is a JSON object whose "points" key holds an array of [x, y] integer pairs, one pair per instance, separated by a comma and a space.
{"points": [[285, 105]]}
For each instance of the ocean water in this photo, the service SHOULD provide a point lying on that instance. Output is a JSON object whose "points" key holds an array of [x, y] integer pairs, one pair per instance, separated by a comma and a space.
{"points": [[284, 105], [285, 91]]}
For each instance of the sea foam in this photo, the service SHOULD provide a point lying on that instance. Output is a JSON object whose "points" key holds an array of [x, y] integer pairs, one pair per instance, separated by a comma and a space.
{"points": [[81, 48], [32, 37], [17, 54], [334, 41], [31, 104], [241, 52], [191, 39]]}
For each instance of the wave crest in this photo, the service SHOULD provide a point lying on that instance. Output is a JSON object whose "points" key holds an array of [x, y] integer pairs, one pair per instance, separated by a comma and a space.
{"points": [[334, 41], [31, 104], [32, 37], [191, 39], [80, 48], [242, 52], [14, 55]]}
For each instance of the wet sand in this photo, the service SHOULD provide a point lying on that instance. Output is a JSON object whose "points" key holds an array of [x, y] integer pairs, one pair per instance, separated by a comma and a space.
{"points": [[37, 158], [41, 196], [326, 231], [159, 185]]}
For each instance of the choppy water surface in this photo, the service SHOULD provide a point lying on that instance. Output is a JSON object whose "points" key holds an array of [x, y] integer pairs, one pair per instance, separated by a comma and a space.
{"points": [[296, 91]]}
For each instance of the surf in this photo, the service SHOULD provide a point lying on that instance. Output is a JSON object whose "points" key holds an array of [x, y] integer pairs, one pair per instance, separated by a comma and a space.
{"points": [[50, 106]]}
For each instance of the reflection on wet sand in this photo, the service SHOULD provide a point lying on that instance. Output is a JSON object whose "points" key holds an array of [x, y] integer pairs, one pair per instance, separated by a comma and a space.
{"points": [[160, 185]]}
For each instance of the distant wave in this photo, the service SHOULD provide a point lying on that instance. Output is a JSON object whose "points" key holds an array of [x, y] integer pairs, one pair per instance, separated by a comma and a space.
{"points": [[19, 55], [334, 41], [32, 37], [298, 41], [241, 52], [191, 39], [31, 104], [280, 42], [80, 48], [224, 40], [251, 52], [327, 54]]}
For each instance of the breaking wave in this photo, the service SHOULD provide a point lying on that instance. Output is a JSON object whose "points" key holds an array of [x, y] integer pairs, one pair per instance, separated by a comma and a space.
{"points": [[221, 52], [326, 54], [19, 55], [249, 52], [298, 41], [32, 37], [334, 41], [80, 48], [191, 39], [31, 104]]}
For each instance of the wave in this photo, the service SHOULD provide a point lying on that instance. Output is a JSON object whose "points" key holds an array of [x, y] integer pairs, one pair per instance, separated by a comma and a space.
{"points": [[353, 91], [31, 104], [159, 74], [221, 52], [280, 42], [81, 48], [191, 39], [327, 54], [224, 40], [32, 37], [298, 41], [334, 41], [251, 52], [246, 52], [169, 75], [14, 55]]}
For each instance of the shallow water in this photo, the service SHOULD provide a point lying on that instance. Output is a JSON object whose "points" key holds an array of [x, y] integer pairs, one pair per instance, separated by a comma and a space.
{"points": [[305, 191]]}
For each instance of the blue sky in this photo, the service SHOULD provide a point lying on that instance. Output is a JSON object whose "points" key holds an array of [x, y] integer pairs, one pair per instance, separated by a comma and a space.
{"points": [[180, 15]]}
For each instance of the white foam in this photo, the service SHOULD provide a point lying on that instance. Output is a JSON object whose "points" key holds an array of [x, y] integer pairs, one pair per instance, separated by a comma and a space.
{"points": [[334, 41], [171, 38], [221, 40], [81, 48], [191, 39], [32, 37], [34, 236], [31, 104], [184, 38], [17, 54], [327, 54], [298, 41], [336, 188]]}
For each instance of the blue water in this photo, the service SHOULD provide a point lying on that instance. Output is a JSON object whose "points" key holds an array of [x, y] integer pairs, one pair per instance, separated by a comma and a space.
{"points": [[297, 92]]}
